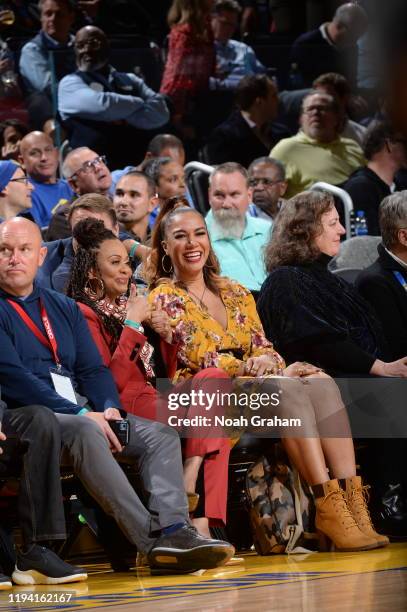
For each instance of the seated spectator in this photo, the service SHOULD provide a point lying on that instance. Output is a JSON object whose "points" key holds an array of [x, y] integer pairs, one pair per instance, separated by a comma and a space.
{"points": [[247, 133], [268, 184], [30, 449], [55, 271], [116, 338], [216, 323], [162, 145], [384, 283], [309, 312], [191, 55], [234, 59], [112, 112], [314, 315], [317, 152], [338, 87], [385, 149], [15, 190], [40, 159], [57, 17], [169, 179], [332, 47], [166, 145], [11, 133], [134, 200], [86, 172], [237, 238], [26, 376]]}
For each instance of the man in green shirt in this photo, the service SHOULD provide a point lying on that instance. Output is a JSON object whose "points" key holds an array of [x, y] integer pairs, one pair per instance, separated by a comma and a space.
{"points": [[318, 152], [237, 238]]}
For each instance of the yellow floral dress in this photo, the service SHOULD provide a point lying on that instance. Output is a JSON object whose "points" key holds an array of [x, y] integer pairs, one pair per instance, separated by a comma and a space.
{"points": [[203, 342]]}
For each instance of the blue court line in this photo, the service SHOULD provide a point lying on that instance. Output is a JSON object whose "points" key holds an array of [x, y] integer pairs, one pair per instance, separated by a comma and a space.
{"points": [[76, 605]]}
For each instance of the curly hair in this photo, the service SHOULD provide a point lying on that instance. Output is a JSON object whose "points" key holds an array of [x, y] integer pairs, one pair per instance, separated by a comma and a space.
{"points": [[155, 272], [90, 234], [297, 225]]}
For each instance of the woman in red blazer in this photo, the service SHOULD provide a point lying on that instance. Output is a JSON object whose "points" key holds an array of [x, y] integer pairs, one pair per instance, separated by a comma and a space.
{"points": [[99, 283]]}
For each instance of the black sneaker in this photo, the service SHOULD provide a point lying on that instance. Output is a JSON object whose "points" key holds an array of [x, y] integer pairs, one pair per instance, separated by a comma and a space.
{"points": [[187, 550], [39, 565], [5, 583]]}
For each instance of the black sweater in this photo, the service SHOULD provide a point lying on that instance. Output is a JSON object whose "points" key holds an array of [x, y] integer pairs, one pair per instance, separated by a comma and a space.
{"points": [[312, 315]]}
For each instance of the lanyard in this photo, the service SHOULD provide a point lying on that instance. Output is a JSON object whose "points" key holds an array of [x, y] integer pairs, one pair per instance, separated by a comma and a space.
{"points": [[49, 341], [400, 279]]}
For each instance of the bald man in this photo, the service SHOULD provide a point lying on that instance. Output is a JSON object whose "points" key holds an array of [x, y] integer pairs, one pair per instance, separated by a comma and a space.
{"points": [[48, 357], [110, 111], [39, 157], [332, 47]]}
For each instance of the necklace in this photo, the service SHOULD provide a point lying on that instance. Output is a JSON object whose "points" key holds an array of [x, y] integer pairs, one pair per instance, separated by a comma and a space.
{"points": [[200, 299]]}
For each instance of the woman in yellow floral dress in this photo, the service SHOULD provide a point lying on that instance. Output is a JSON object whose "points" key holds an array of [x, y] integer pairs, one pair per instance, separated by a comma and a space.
{"points": [[216, 325]]}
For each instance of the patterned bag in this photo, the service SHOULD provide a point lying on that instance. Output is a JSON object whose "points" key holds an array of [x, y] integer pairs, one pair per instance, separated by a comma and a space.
{"points": [[281, 511]]}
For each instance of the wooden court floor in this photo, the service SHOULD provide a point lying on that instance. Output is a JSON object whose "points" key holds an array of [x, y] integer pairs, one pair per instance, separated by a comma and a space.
{"points": [[366, 581]]}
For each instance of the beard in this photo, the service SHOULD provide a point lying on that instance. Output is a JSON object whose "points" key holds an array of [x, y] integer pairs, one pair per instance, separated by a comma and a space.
{"points": [[230, 221]]}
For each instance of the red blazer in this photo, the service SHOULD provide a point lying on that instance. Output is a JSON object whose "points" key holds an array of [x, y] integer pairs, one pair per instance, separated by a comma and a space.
{"points": [[137, 395]]}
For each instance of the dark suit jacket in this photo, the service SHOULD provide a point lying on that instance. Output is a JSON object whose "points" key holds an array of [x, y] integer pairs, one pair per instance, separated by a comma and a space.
{"points": [[54, 272], [234, 140], [378, 285]]}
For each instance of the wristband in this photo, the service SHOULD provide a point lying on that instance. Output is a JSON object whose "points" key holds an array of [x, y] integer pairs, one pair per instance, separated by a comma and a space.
{"points": [[134, 249], [83, 411], [134, 325]]}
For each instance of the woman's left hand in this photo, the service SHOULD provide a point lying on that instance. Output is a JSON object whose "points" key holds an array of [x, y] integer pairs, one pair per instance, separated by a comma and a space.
{"points": [[160, 323], [260, 366]]}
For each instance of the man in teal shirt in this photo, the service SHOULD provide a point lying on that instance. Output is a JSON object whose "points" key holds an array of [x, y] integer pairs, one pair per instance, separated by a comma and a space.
{"points": [[237, 238]]}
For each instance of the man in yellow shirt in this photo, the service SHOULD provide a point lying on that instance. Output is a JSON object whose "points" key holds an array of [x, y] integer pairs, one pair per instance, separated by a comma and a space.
{"points": [[318, 152]]}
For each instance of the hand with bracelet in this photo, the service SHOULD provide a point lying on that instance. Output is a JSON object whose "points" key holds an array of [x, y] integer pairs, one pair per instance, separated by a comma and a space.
{"points": [[138, 308]]}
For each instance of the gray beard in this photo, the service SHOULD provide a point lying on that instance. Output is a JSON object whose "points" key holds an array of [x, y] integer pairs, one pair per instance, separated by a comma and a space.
{"points": [[230, 222]]}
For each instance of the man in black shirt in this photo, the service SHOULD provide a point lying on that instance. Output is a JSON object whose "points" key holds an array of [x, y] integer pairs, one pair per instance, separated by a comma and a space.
{"points": [[332, 47], [385, 151]]}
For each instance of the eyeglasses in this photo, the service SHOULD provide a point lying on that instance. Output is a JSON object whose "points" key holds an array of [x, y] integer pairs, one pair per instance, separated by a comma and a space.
{"points": [[318, 109], [90, 166], [90, 43], [21, 179], [265, 181]]}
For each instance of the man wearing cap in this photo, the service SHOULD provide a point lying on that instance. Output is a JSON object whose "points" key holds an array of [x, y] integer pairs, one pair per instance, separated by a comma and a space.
{"points": [[15, 190]]}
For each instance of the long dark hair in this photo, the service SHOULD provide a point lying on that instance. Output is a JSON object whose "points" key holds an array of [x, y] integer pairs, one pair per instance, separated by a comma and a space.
{"points": [[157, 274], [90, 234], [297, 225]]}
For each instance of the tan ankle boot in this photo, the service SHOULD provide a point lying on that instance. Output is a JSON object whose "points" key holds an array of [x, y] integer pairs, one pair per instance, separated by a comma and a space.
{"points": [[335, 523], [357, 497]]}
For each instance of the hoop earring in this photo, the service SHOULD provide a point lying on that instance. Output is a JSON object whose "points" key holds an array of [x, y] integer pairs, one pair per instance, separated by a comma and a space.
{"points": [[95, 288], [162, 264]]}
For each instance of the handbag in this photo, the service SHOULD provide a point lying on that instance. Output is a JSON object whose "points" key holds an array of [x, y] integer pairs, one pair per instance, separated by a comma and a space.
{"points": [[281, 506]]}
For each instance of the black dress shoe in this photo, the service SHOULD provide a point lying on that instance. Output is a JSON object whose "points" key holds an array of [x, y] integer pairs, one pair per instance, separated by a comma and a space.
{"points": [[389, 512], [186, 550], [42, 566]]}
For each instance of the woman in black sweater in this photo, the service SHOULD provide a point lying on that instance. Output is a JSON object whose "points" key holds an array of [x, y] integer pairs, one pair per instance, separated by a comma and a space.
{"points": [[313, 315], [309, 313]]}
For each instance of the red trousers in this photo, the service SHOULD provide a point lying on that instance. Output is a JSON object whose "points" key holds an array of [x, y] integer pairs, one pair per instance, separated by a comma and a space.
{"points": [[214, 450]]}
